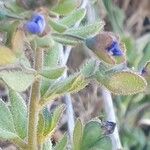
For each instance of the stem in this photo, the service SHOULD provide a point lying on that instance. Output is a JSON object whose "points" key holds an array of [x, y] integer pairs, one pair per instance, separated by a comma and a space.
{"points": [[109, 110], [33, 107]]}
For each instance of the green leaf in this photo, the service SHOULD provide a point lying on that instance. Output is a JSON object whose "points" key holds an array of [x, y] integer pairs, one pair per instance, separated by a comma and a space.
{"points": [[67, 39], [124, 83], [87, 31], [53, 56], [91, 135], [48, 123], [62, 144], [7, 129], [17, 80], [7, 15], [17, 42], [89, 68], [6, 135], [44, 42], [77, 135], [52, 125], [46, 83], [47, 145], [6, 56], [103, 144], [73, 18], [53, 73], [65, 7], [57, 26], [18, 109], [70, 84]]}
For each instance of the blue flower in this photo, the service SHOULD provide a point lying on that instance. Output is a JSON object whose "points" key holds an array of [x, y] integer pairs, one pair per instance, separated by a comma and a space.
{"points": [[115, 49], [36, 25]]}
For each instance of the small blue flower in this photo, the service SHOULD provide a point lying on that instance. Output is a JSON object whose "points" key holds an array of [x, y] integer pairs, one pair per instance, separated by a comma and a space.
{"points": [[114, 48], [36, 25]]}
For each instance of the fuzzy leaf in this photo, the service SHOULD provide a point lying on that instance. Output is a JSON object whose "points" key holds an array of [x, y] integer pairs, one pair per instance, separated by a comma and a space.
{"points": [[65, 7], [53, 56], [91, 135], [54, 121], [46, 83], [67, 39], [18, 109], [53, 73], [48, 123], [89, 68], [6, 135], [18, 42], [62, 144], [77, 135], [7, 129], [103, 144], [44, 42], [57, 26], [73, 18], [47, 145], [71, 84], [124, 83], [87, 31], [17, 80], [6, 56]]}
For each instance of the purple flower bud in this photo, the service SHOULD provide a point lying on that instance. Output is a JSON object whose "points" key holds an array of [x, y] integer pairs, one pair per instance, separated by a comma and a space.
{"points": [[108, 127], [115, 49], [36, 25], [106, 46], [143, 71]]}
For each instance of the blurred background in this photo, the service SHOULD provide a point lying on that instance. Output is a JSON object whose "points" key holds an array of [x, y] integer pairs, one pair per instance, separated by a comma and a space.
{"points": [[130, 19]]}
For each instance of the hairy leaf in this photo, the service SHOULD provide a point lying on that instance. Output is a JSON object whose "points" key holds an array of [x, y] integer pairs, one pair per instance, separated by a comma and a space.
{"points": [[74, 17], [62, 144], [124, 83], [77, 135], [53, 73], [91, 135], [87, 31], [17, 80], [7, 128], [18, 42], [57, 26], [6, 56], [64, 7], [18, 109], [67, 39], [47, 145]]}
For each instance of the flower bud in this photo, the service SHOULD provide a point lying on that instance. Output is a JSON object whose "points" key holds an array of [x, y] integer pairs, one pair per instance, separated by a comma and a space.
{"points": [[107, 48], [108, 127]]}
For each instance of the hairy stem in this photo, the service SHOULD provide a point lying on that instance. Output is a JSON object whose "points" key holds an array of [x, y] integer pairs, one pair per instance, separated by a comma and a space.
{"points": [[33, 107]]}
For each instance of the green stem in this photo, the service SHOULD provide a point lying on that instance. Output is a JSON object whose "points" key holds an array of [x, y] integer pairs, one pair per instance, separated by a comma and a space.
{"points": [[33, 107]]}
